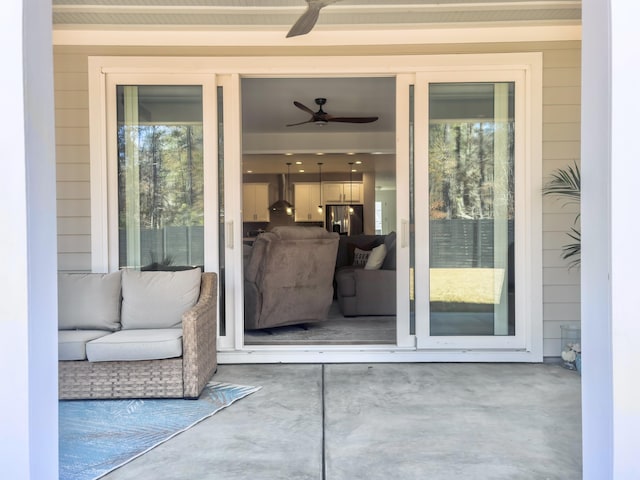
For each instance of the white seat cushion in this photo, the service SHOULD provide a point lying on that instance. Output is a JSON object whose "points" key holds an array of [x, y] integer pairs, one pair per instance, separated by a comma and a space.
{"points": [[158, 299], [71, 343], [89, 301], [146, 344]]}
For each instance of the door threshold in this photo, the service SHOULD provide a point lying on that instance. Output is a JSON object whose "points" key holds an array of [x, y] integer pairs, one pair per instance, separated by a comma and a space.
{"points": [[369, 354]]}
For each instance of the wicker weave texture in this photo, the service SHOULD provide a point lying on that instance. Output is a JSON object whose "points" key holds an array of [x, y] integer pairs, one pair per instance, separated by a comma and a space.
{"points": [[167, 378]]}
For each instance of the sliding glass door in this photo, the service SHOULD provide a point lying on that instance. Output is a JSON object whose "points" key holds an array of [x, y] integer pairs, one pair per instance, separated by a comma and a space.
{"points": [[160, 176], [469, 179]]}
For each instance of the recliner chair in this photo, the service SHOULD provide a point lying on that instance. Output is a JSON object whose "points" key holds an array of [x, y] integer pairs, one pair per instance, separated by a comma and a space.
{"points": [[289, 277]]}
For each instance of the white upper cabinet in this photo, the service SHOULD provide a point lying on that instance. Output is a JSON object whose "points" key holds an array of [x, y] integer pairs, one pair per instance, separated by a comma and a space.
{"points": [[307, 200], [255, 202], [342, 192]]}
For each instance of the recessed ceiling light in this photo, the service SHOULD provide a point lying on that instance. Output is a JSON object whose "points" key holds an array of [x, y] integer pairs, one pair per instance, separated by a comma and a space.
{"points": [[354, 170], [376, 153], [301, 170], [288, 154], [298, 162], [249, 171], [320, 153], [359, 162], [351, 153]]}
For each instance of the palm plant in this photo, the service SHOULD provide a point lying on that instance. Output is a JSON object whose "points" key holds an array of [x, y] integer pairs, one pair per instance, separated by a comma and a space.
{"points": [[565, 183]]}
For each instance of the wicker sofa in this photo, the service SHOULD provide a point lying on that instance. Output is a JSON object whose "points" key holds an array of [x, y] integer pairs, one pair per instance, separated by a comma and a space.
{"points": [[133, 334]]}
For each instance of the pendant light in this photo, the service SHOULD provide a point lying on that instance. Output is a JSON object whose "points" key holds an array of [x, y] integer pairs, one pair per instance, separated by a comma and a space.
{"points": [[320, 186], [289, 209], [351, 187]]}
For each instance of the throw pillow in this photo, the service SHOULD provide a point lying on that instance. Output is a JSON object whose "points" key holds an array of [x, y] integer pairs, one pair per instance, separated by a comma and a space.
{"points": [[158, 299], [351, 248], [360, 257], [376, 258], [89, 301]]}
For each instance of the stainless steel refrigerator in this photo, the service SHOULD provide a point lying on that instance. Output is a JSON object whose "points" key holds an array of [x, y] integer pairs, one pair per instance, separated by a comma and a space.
{"points": [[344, 219]]}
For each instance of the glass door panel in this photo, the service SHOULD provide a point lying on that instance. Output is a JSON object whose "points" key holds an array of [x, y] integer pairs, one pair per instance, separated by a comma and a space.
{"points": [[470, 176], [160, 176], [471, 209]]}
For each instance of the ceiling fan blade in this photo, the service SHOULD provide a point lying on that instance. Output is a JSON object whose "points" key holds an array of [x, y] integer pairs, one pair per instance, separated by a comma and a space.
{"points": [[300, 123], [351, 119], [309, 18], [304, 108]]}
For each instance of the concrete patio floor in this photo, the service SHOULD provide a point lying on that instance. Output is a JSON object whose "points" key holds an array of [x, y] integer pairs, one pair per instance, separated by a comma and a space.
{"points": [[382, 421]]}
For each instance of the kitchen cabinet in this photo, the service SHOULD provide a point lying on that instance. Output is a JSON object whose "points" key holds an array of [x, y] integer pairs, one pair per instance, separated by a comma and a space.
{"points": [[306, 201], [255, 202], [342, 192]]}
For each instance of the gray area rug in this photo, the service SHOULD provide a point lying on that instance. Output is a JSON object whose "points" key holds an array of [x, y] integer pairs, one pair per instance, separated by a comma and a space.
{"points": [[336, 330]]}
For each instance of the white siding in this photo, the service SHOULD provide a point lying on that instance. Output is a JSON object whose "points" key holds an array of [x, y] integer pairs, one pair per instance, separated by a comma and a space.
{"points": [[561, 146], [72, 154]]}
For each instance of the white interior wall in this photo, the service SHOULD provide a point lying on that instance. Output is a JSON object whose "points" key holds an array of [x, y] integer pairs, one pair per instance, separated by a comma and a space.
{"points": [[388, 199], [561, 146]]}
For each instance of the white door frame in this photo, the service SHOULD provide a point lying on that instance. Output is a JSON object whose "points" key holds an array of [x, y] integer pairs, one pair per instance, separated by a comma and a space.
{"points": [[523, 261]]}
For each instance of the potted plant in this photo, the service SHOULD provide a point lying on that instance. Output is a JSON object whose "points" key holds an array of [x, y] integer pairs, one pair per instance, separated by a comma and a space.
{"points": [[565, 184]]}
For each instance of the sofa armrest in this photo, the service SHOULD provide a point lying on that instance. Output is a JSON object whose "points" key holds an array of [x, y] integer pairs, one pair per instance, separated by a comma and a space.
{"points": [[199, 327], [375, 292]]}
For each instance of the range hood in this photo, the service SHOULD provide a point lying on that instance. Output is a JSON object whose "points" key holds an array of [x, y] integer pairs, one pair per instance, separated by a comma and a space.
{"points": [[282, 205]]}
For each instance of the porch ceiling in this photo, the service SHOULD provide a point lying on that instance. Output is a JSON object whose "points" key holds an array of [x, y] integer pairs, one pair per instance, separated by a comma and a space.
{"points": [[345, 14]]}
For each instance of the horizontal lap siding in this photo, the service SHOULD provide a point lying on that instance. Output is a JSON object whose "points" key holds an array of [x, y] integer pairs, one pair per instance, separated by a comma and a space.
{"points": [[72, 156], [561, 146]]}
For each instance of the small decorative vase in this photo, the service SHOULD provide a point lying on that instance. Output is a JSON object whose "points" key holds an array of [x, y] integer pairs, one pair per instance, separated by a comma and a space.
{"points": [[570, 341]]}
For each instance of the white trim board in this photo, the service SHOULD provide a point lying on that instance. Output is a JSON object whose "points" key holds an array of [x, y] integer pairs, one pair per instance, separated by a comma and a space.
{"points": [[326, 38]]}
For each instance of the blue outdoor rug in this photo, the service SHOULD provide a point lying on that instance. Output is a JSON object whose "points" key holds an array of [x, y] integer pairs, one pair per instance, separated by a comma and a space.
{"points": [[97, 436]]}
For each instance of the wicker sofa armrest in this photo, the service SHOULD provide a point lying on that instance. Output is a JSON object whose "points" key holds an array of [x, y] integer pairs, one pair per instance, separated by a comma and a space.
{"points": [[199, 328]]}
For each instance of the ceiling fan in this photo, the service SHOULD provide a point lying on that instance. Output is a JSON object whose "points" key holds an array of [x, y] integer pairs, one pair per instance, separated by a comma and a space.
{"points": [[322, 118], [309, 18]]}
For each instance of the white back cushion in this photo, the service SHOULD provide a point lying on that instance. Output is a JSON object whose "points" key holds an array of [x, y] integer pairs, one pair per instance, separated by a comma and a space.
{"points": [[89, 301], [158, 299]]}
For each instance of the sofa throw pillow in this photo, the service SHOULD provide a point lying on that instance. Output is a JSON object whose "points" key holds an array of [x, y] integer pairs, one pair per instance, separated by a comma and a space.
{"points": [[351, 248], [89, 301], [158, 299], [374, 262], [360, 257]]}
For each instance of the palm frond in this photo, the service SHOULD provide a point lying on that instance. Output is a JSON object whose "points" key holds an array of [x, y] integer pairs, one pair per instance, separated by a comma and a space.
{"points": [[571, 251], [565, 183]]}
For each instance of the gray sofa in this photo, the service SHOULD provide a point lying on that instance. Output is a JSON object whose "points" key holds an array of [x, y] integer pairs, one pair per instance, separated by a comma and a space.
{"points": [[132, 334], [289, 277], [363, 288]]}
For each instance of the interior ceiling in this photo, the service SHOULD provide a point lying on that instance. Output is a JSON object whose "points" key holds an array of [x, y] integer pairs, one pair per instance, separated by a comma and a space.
{"points": [[267, 103]]}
